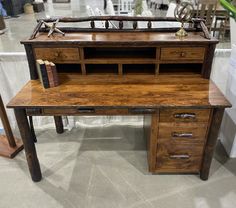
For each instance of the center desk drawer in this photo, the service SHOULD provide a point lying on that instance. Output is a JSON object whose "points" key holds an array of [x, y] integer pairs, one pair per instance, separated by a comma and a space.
{"points": [[183, 53], [58, 55], [184, 115], [83, 111]]}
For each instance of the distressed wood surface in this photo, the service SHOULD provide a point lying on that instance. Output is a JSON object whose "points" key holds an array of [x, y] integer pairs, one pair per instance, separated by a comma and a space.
{"points": [[125, 91], [29, 146], [184, 115], [58, 55], [184, 53], [211, 142], [123, 38]]}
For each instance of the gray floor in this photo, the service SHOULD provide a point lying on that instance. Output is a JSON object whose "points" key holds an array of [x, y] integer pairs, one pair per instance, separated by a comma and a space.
{"points": [[102, 167], [107, 167], [20, 28]]}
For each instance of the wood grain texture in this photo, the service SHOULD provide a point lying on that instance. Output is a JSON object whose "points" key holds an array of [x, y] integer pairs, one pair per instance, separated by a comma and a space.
{"points": [[178, 158], [211, 142], [91, 91], [31, 61], [170, 131], [6, 125], [29, 146], [182, 53], [206, 70], [6, 150], [150, 133], [58, 55], [171, 115], [120, 38]]}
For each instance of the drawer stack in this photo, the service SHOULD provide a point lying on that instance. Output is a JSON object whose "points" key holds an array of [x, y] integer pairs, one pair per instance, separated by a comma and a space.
{"points": [[181, 140]]}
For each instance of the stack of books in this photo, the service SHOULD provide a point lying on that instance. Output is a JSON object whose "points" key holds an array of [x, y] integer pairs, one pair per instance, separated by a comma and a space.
{"points": [[47, 73]]}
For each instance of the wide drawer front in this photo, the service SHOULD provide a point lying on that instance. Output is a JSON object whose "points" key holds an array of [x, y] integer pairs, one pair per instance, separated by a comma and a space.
{"points": [[184, 115], [183, 53], [182, 134], [84, 111], [178, 158], [58, 55], [89, 111]]}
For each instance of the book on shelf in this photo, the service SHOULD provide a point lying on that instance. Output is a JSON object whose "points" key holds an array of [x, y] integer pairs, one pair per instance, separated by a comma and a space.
{"points": [[47, 73], [55, 75], [42, 73]]}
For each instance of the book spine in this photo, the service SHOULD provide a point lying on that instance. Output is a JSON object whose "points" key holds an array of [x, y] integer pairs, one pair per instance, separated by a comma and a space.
{"points": [[44, 76], [50, 76], [55, 76], [39, 72]]}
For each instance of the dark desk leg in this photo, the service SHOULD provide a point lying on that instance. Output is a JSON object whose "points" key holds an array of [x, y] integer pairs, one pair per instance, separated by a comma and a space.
{"points": [[32, 128], [29, 146], [211, 142], [59, 124]]}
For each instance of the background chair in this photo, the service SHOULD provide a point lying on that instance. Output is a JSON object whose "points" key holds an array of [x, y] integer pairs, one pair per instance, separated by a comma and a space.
{"points": [[110, 8], [125, 7], [206, 10]]}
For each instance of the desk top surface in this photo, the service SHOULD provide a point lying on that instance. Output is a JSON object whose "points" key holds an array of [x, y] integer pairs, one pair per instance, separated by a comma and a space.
{"points": [[122, 91]]}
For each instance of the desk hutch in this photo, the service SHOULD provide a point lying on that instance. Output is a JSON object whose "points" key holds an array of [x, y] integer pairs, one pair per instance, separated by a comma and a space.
{"points": [[129, 72]]}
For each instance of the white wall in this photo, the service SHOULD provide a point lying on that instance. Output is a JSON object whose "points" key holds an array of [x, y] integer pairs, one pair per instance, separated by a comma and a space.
{"points": [[233, 31]]}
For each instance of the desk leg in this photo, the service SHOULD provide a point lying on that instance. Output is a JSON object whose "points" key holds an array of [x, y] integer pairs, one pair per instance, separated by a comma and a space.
{"points": [[32, 128], [29, 146], [211, 142], [59, 124]]}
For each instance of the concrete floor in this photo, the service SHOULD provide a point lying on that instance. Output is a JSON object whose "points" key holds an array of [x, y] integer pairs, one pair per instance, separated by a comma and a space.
{"points": [[107, 167], [102, 166]]}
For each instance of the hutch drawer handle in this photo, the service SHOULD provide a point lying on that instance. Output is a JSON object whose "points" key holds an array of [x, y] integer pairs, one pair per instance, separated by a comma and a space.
{"points": [[86, 110], [185, 115], [142, 110], [182, 54], [181, 135], [176, 157]]}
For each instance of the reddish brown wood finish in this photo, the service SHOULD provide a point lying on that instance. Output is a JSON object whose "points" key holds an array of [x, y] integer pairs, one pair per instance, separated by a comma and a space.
{"points": [[211, 142], [6, 150], [9, 146], [162, 91], [29, 146], [153, 74]]}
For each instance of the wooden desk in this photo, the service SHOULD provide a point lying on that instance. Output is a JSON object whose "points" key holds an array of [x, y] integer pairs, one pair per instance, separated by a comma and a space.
{"points": [[153, 74]]}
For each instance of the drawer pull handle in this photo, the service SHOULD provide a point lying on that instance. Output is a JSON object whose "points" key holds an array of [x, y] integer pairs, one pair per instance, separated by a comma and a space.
{"points": [[182, 54], [182, 157], [143, 110], [185, 115], [181, 135], [86, 110]]}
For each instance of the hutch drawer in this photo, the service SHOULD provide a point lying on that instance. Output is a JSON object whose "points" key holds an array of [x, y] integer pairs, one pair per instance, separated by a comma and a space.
{"points": [[183, 53], [184, 115], [58, 55]]}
